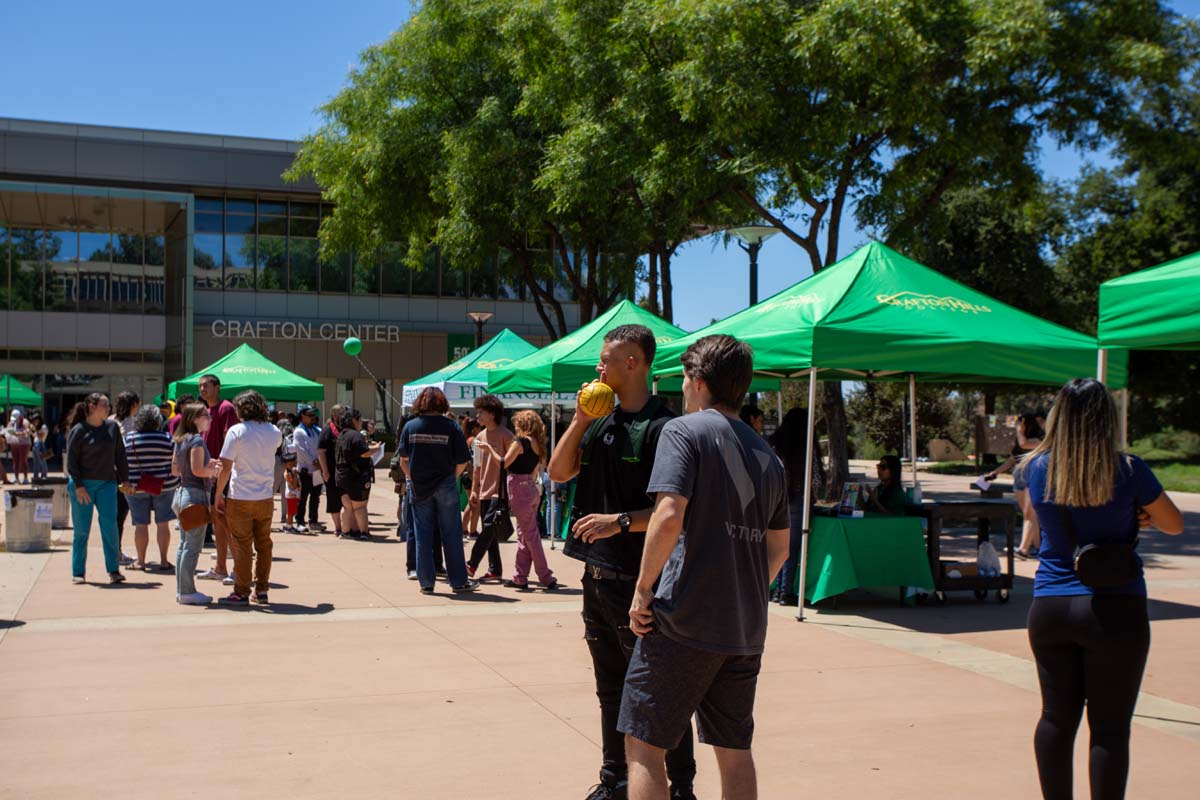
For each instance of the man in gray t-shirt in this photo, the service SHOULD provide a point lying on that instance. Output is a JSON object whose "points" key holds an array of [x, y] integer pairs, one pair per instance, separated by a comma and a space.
{"points": [[718, 534]]}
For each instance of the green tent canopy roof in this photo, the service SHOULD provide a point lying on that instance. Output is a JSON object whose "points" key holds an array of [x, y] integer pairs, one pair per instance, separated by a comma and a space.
{"points": [[571, 361], [246, 368], [15, 393], [1154, 309], [876, 314], [467, 378]]}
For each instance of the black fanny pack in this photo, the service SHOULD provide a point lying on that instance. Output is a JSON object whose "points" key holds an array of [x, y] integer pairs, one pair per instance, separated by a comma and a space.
{"points": [[1107, 565]]}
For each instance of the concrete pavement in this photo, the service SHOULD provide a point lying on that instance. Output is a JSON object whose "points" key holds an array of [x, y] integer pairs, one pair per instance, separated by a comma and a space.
{"points": [[352, 684]]}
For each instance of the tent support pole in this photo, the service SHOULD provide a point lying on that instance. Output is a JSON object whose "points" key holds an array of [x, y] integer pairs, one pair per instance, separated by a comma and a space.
{"points": [[912, 422], [1102, 366], [808, 498], [779, 407], [1125, 419], [553, 441], [654, 387]]}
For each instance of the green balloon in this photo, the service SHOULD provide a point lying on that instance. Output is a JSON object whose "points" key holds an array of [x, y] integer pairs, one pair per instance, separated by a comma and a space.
{"points": [[352, 346]]}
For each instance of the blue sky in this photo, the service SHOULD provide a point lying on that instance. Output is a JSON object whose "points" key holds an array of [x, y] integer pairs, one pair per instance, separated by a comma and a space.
{"points": [[262, 68]]}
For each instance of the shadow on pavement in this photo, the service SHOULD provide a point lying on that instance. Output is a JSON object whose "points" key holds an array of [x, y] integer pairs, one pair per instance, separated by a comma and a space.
{"points": [[128, 585], [5, 624]]}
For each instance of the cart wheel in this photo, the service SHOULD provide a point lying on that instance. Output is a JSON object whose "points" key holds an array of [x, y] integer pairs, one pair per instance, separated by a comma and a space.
{"points": [[1002, 595], [981, 594], [939, 598]]}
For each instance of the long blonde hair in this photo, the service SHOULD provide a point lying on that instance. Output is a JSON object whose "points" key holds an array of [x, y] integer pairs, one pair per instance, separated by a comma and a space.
{"points": [[1080, 446], [530, 425]]}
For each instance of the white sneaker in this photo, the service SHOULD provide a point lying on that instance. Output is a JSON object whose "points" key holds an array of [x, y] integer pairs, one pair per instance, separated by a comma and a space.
{"points": [[228, 581], [211, 574], [193, 599], [125, 560], [412, 574]]}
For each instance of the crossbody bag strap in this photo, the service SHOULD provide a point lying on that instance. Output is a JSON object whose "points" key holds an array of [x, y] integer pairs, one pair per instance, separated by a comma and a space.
{"points": [[1064, 516]]}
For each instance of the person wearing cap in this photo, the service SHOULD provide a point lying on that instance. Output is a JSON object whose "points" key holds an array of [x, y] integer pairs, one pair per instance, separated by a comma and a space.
{"points": [[305, 438]]}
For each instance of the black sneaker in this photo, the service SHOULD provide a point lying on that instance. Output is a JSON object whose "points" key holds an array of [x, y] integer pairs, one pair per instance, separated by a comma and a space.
{"points": [[682, 793], [426, 590], [116, 577], [603, 792], [469, 586], [515, 585], [235, 599]]}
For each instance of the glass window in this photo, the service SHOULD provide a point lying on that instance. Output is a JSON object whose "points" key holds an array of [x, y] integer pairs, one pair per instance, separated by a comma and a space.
{"points": [[210, 204], [365, 277], [335, 273], [302, 265], [127, 289], [62, 245], [207, 260], [272, 263], [93, 286], [25, 269], [273, 226], [95, 246], [209, 223], [425, 281], [127, 356], [234, 206], [239, 261], [239, 224], [62, 285], [454, 280], [304, 227], [127, 249], [155, 288], [395, 274], [304, 210], [483, 279], [273, 207], [4, 298], [156, 251]]}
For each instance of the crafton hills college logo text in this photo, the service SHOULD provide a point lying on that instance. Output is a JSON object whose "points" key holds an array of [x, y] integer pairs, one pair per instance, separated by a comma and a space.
{"points": [[914, 301]]}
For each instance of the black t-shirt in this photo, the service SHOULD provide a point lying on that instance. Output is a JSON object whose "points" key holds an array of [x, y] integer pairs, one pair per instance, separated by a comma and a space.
{"points": [[525, 463], [434, 447], [353, 471], [613, 480], [327, 444]]}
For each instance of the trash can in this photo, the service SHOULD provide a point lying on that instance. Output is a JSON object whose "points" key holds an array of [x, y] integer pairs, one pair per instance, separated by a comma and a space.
{"points": [[62, 501], [28, 514]]}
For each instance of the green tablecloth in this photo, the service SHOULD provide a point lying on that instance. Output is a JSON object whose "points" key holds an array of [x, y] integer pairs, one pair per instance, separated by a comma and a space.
{"points": [[873, 551]]}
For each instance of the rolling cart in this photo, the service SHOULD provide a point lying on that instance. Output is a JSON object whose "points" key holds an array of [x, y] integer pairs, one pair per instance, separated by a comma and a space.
{"points": [[983, 513]]}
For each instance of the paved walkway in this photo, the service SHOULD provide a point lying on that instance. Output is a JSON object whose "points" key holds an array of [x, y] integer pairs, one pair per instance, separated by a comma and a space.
{"points": [[352, 684]]}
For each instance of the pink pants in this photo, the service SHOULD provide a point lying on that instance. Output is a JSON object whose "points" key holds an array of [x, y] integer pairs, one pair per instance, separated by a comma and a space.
{"points": [[523, 500], [20, 458]]}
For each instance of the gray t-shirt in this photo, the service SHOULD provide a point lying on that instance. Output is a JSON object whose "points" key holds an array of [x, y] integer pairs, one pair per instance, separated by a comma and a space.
{"points": [[183, 454], [713, 590]]}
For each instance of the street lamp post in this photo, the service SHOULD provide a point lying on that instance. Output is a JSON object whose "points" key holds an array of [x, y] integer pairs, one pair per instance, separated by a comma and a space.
{"points": [[480, 318], [750, 239]]}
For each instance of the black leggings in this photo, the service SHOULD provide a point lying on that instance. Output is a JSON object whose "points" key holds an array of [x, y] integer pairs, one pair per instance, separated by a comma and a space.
{"points": [[1090, 650]]}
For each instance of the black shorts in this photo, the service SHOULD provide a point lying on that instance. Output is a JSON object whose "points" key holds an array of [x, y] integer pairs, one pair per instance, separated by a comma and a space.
{"points": [[356, 492], [667, 682], [333, 498]]}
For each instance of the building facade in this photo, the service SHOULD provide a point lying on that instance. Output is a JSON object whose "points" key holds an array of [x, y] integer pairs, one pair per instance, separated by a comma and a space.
{"points": [[129, 258]]}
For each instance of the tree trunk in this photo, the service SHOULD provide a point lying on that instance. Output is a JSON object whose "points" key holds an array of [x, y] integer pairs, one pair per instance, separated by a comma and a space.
{"points": [[834, 406], [652, 281], [668, 303]]}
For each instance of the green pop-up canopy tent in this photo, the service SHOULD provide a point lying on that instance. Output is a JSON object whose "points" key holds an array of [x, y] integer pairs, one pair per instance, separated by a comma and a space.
{"points": [[467, 378], [15, 393], [246, 368], [1154, 309], [878, 315]]}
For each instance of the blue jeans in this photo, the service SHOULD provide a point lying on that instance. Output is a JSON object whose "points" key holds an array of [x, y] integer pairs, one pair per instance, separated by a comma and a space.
{"points": [[410, 538], [40, 469], [191, 541], [787, 575], [437, 516], [104, 500]]}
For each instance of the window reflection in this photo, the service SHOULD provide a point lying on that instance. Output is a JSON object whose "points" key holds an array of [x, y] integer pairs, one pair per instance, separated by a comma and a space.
{"points": [[395, 274], [425, 280], [335, 273], [272, 263], [207, 259], [25, 270], [302, 265], [62, 246], [366, 275], [127, 289]]}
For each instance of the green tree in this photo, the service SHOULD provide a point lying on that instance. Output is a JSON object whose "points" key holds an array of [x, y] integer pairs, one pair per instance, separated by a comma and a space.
{"points": [[887, 106]]}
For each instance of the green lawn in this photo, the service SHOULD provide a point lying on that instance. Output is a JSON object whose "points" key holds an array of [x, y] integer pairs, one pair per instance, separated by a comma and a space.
{"points": [[1176, 474]]}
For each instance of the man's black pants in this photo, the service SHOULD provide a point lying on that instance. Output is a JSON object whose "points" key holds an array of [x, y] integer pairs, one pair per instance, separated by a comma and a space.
{"points": [[310, 498], [611, 642]]}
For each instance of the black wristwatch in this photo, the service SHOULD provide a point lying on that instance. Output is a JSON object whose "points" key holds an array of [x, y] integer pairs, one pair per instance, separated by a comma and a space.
{"points": [[624, 520]]}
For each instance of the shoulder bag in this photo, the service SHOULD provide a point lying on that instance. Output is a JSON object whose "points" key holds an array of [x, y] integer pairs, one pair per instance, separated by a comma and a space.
{"points": [[1104, 565], [499, 517], [196, 515]]}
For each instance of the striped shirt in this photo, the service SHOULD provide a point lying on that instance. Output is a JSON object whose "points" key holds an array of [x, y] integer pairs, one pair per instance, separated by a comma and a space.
{"points": [[151, 453]]}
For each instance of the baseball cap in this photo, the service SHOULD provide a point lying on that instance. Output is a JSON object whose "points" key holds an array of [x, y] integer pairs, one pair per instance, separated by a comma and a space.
{"points": [[304, 408]]}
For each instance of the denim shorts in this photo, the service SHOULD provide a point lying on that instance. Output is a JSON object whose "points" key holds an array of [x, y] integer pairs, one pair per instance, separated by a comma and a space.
{"points": [[141, 503]]}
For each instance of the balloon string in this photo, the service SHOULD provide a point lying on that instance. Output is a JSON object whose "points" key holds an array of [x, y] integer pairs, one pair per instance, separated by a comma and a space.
{"points": [[378, 382]]}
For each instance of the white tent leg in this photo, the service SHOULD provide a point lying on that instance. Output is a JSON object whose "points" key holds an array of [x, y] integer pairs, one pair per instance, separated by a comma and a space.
{"points": [[1102, 366], [779, 407], [808, 471], [1124, 419], [654, 387], [912, 422], [550, 497]]}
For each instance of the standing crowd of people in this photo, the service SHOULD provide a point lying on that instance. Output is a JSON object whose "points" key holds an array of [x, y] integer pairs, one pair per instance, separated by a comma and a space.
{"points": [[659, 501]]}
